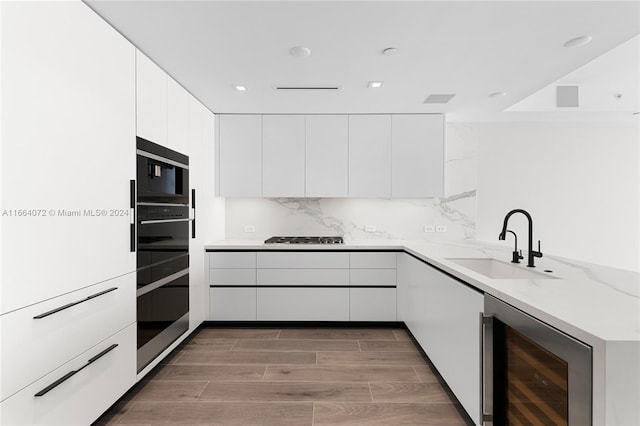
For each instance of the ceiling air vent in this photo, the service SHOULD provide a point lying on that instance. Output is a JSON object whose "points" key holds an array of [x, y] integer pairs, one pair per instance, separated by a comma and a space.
{"points": [[438, 98], [567, 96], [303, 88]]}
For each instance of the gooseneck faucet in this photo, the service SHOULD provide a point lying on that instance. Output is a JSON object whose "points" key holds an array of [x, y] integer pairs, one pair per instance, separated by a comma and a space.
{"points": [[503, 235]]}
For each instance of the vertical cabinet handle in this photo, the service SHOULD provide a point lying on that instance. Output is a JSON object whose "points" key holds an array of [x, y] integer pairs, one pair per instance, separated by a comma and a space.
{"points": [[73, 372], [132, 216], [486, 369], [193, 207]]}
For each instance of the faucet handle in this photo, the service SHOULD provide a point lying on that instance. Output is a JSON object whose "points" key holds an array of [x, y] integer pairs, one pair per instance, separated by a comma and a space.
{"points": [[539, 252]]}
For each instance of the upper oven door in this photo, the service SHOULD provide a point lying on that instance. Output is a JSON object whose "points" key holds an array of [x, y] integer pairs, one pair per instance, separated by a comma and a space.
{"points": [[163, 174]]}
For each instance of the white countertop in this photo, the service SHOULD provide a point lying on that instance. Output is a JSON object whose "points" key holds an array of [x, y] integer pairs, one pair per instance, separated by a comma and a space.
{"points": [[591, 302]]}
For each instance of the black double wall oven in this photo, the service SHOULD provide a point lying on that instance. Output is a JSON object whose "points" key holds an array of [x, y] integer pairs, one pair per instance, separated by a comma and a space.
{"points": [[162, 245]]}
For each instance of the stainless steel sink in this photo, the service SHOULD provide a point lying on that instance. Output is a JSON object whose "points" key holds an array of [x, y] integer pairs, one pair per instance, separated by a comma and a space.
{"points": [[496, 269]]}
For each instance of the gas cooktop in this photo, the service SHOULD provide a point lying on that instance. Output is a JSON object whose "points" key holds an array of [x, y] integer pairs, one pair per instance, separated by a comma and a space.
{"points": [[304, 240]]}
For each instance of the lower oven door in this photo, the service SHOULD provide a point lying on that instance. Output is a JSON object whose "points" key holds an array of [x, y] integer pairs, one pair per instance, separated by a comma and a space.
{"points": [[533, 373], [162, 314]]}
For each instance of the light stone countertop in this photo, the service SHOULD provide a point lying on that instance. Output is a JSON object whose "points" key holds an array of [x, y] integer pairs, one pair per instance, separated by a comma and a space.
{"points": [[592, 303]]}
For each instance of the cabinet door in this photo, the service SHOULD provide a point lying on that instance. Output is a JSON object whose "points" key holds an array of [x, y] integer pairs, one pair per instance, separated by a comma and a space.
{"points": [[240, 155], [198, 302], [232, 304], [151, 99], [178, 118], [417, 155], [283, 155], [327, 153], [303, 304], [39, 338], [370, 155], [102, 375], [68, 150], [444, 317], [372, 304]]}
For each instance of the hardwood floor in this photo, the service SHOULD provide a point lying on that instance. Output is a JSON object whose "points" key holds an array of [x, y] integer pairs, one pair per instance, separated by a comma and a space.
{"points": [[290, 376]]}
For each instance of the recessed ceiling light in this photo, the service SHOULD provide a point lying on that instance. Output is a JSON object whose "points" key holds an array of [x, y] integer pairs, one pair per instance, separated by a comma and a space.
{"points": [[300, 51], [240, 88], [389, 51], [498, 94], [375, 84], [578, 41]]}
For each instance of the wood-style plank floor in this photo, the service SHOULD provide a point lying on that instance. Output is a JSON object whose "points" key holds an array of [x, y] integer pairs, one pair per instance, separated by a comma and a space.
{"points": [[290, 376]]}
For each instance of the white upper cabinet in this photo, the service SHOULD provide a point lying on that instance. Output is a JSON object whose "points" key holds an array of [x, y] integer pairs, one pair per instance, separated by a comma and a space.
{"points": [[417, 155], [370, 156], [283, 140], [68, 150], [240, 155], [327, 153], [365, 156], [178, 117], [151, 99]]}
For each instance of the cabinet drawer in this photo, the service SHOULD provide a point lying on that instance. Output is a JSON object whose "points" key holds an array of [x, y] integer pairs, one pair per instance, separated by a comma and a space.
{"points": [[303, 277], [232, 276], [372, 304], [303, 304], [232, 304], [373, 260], [358, 277], [303, 260], [232, 260], [33, 347], [84, 396]]}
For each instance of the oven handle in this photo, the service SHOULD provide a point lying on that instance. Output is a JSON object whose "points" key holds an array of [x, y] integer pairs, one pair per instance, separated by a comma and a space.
{"points": [[146, 222], [132, 215], [161, 282], [193, 207]]}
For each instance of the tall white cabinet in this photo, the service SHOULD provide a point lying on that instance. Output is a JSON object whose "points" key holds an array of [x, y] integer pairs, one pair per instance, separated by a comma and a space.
{"points": [[370, 156], [283, 155], [68, 155], [68, 144]]}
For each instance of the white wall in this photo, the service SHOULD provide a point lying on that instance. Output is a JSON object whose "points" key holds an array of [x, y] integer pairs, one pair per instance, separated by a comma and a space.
{"points": [[393, 218], [579, 181]]}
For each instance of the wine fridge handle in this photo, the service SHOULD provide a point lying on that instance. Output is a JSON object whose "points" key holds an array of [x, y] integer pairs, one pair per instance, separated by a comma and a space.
{"points": [[486, 369]]}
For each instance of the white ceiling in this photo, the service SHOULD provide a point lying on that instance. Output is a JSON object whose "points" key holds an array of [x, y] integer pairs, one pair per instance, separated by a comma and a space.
{"points": [[470, 48]]}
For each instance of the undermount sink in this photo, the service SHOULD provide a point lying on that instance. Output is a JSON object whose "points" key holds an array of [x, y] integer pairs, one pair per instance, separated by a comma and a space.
{"points": [[496, 269]]}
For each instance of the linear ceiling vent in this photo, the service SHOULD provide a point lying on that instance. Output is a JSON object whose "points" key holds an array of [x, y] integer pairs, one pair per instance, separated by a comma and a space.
{"points": [[438, 98], [302, 88]]}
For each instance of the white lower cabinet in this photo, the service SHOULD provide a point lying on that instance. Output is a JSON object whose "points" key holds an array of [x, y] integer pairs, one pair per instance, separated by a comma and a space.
{"points": [[302, 286], [39, 338], [372, 304], [443, 315], [303, 304], [102, 375], [232, 304]]}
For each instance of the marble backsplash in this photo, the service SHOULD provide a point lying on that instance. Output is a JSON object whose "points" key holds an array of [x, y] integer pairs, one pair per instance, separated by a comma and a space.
{"points": [[392, 218]]}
